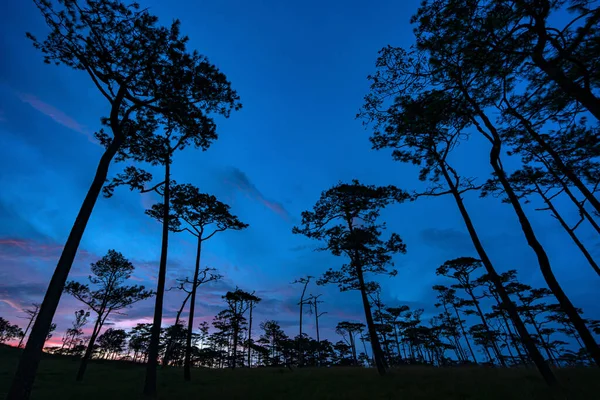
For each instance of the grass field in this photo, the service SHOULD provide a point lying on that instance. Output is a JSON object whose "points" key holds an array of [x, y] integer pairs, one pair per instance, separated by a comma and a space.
{"points": [[115, 380]]}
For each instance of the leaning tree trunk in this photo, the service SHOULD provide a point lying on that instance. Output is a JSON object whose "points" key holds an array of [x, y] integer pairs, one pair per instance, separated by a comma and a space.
{"points": [[536, 246], [569, 230], [22, 383], [150, 381], [562, 167], [188, 343], [510, 307], [583, 95], [488, 332], [376, 347], [88, 352]]}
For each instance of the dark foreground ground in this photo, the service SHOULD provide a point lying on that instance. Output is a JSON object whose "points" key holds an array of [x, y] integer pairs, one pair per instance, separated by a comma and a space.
{"points": [[114, 380]]}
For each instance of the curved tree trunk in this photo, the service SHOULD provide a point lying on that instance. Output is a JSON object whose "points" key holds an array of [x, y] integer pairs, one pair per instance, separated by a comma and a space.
{"points": [[188, 343], [375, 346], [150, 381], [508, 304], [22, 383]]}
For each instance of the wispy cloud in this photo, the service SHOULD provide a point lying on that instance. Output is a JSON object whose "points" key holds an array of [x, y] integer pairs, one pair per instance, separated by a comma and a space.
{"points": [[240, 180], [56, 114]]}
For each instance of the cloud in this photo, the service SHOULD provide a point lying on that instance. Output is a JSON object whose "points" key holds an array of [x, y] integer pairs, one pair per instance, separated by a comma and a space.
{"points": [[56, 114], [448, 239], [240, 180]]}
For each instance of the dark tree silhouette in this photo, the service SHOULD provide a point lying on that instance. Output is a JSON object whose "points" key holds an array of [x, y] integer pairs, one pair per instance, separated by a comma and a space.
{"points": [[459, 75], [9, 331], [112, 342], [253, 302], [303, 281], [144, 71], [239, 302], [203, 216], [421, 129], [345, 217], [348, 330], [203, 276], [461, 270], [71, 334], [109, 275], [31, 316], [313, 301], [530, 180]]}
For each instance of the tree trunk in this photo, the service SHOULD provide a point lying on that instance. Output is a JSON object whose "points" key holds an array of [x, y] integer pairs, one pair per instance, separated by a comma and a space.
{"points": [[375, 346], [508, 304], [89, 350], [562, 167], [570, 231], [188, 343], [462, 328], [300, 355], [487, 330], [569, 193], [169, 347], [27, 330], [150, 381], [353, 346], [236, 332], [250, 335], [584, 96], [24, 377], [536, 246]]}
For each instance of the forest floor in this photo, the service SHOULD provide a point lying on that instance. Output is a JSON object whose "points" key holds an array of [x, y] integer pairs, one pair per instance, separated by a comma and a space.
{"points": [[116, 380]]}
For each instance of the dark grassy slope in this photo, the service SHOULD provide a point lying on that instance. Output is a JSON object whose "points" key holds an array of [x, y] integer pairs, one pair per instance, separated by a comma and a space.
{"points": [[115, 380]]}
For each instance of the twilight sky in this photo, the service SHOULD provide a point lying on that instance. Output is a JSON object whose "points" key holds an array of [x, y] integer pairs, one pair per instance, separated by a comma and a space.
{"points": [[300, 69]]}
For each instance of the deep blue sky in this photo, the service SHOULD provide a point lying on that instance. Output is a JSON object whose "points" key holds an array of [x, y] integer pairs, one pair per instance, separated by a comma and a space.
{"points": [[300, 69]]}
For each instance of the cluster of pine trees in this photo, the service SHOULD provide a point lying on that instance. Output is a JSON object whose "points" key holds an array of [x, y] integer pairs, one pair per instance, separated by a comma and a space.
{"points": [[502, 71]]}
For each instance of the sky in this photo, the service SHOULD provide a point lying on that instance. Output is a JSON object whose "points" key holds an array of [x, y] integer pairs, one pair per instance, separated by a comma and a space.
{"points": [[301, 70]]}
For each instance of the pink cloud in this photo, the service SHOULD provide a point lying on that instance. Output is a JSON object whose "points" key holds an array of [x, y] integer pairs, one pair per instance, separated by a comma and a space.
{"points": [[56, 114], [11, 304]]}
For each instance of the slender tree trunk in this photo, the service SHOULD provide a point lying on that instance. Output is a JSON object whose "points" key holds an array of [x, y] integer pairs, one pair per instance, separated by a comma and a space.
{"points": [[396, 335], [488, 332], [250, 335], [508, 304], [353, 347], [90, 349], [570, 231], [536, 246], [462, 328], [27, 329], [562, 167], [569, 193], [375, 346], [169, 347], [150, 381], [236, 332], [188, 343], [513, 338], [300, 355], [22, 383]]}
